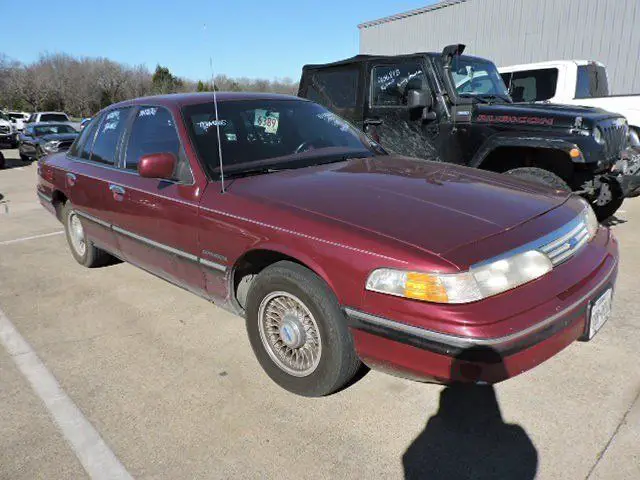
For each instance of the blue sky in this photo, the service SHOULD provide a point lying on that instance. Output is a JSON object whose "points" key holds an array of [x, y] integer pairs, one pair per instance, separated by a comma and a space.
{"points": [[246, 38]]}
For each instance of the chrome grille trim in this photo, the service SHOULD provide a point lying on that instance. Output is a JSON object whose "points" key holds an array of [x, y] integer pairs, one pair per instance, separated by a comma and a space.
{"points": [[568, 244]]}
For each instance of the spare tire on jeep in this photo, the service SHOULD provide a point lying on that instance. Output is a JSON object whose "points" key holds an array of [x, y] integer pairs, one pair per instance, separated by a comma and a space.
{"points": [[604, 205]]}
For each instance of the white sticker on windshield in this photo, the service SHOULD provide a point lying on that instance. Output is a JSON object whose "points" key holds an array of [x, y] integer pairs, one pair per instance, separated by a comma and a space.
{"points": [[113, 115], [110, 126], [334, 120], [206, 125], [148, 112], [267, 120]]}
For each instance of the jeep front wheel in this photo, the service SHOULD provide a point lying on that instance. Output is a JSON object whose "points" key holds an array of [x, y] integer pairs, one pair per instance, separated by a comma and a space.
{"points": [[539, 175]]}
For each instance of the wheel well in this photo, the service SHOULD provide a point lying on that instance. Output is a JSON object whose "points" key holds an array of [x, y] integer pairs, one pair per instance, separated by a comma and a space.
{"points": [[503, 159], [58, 199], [250, 265]]}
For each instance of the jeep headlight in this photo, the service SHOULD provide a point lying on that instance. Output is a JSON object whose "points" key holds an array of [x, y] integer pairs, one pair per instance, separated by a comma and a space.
{"points": [[51, 146], [597, 136], [481, 281]]}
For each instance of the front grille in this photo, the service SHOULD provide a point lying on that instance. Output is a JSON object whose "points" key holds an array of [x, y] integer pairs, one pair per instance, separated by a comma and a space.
{"points": [[4, 130], [566, 243], [614, 133]]}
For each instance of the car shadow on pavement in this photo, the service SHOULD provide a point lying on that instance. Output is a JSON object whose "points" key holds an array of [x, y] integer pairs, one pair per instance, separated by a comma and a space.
{"points": [[467, 438], [613, 221], [13, 163]]}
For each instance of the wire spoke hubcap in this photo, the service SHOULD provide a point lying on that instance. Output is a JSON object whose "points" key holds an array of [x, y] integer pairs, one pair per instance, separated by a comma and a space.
{"points": [[76, 234], [289, 333]]}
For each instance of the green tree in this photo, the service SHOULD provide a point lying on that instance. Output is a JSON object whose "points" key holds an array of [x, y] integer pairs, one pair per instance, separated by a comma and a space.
{"points": [[163, 81]]}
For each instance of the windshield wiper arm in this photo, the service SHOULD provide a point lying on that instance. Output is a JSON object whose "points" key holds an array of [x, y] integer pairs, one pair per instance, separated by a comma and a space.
{"points": [[252, 171]]}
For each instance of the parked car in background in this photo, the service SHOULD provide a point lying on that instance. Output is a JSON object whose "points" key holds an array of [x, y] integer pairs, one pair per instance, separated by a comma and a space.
{"points": [[571, 82], [39, 139], [18, 119], [455, 108], [84, 122], [7, 132], [38, 117], [334, 251]]}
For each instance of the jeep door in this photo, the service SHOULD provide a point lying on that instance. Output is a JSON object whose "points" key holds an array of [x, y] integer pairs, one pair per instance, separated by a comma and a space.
{"points": [[155, 220], [388, 119]]}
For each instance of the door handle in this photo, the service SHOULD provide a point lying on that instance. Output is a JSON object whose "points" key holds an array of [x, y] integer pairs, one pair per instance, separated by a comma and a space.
{"points": [[373, 121], [116, 189], [71, 179]]}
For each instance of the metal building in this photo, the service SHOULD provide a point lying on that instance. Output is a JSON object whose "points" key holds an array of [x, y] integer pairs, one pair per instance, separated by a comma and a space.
{"points": [[520, 31]]}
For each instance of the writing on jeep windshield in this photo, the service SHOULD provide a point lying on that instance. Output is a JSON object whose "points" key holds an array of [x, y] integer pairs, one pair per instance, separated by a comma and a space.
{"points": [[474, 77], [273, 134]]}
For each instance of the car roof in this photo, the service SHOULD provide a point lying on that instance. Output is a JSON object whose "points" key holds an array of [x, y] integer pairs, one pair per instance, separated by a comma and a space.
{"points": [[549, 64], [182, 99], [368, 57], [42, 113], [48, 124]]}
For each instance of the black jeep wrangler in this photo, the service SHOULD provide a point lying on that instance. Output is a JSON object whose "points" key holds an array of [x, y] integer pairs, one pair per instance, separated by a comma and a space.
{"points": [[453, 108]]}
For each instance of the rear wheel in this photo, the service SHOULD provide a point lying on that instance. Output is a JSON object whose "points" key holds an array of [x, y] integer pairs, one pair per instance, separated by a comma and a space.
{"points": [[24, 157], [81, 247], [298, 331], [2, 161]]}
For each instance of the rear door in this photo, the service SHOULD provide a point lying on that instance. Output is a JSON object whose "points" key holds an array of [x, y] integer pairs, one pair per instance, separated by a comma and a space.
{"points": [[92, 168], [388, 119], [156, 220]]}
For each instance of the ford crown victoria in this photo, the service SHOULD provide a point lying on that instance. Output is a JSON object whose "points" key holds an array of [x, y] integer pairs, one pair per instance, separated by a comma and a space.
{"points": [[335, 252]]}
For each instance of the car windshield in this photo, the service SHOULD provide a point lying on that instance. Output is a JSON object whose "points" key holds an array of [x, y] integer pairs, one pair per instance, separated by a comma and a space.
{"points": [[14, 116], [3, 116], [53, 117], [272, 134], [53, 129], [476, 77]]}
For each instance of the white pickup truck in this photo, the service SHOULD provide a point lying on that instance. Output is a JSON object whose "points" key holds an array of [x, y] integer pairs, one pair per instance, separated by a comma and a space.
{"points": [[571, 82]]}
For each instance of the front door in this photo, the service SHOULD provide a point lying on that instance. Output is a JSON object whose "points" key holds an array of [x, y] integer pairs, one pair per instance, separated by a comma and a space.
{"points": [[388, 119], [156, 220]]}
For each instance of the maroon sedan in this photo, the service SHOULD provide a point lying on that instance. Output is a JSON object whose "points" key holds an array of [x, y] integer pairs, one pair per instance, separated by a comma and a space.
{"points": [[334, 251]]}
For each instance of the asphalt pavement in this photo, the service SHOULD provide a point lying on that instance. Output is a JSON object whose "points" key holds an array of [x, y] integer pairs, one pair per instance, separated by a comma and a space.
{"points": [[113, 373]]}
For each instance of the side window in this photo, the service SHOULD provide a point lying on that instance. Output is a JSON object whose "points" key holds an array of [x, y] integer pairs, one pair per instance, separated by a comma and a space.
{"points": [[534, 85], [82, 145], [389, 83], [592, 82], [334, 88], [110, 131], [506, 78], [154, 131]]}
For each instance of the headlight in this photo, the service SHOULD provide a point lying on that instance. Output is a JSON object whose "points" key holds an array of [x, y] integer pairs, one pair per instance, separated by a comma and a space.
{"points": [[597, 136], [479, 282], [590, 219], [51, 146]]}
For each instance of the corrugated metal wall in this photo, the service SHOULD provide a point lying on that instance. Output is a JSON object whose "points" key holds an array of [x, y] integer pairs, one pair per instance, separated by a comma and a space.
{"points": [[522, 31]]}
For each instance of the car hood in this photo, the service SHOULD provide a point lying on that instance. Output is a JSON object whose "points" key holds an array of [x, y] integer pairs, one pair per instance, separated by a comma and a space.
{"points": [[59, 136], [541, 114], [432, 206]]}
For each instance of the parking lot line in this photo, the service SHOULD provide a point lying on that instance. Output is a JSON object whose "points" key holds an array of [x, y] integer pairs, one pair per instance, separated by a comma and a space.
{"points": [[34, 237], [96, 457]]}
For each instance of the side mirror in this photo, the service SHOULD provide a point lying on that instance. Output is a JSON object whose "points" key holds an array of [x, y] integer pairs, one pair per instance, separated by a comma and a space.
{"points": [[157, 165], [418, 99]]}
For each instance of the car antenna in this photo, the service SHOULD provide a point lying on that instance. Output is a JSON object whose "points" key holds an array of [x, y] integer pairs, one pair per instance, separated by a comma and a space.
{"points": [[217, 121]]}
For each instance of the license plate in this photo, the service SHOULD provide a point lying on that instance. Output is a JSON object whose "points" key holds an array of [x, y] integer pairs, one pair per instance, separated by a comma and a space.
{"points": [[600, 312]]}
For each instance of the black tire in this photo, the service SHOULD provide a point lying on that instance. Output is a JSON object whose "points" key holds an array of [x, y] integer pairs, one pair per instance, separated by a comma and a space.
{"points": [[2, 161], [24, 157], [39, 153], [605, 211], [92, 256], [539, 175], [338, 362]]}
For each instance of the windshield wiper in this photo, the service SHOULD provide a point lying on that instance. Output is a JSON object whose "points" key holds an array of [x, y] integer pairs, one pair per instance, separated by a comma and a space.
{"points": [[252, 171], [494, 96]]}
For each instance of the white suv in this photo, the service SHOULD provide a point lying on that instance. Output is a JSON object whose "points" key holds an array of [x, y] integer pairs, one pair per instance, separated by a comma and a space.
{"points": [[7, 132]]}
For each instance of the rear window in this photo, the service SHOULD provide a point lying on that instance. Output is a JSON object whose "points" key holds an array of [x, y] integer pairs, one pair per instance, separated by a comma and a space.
{"points": [[54, 117], [533, 85], [592, 81]]}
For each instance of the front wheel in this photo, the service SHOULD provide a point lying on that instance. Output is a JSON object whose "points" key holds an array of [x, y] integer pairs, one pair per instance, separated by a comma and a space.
{"points": [[82, 249], [298, 331], [608, 200]]}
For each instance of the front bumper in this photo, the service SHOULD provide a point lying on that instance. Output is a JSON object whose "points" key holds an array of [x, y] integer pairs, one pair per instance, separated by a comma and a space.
{"points": [[428, 355]]}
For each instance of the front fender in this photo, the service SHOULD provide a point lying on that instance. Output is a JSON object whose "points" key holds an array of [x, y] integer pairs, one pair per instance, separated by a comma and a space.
{"points": [[530, 141]]}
